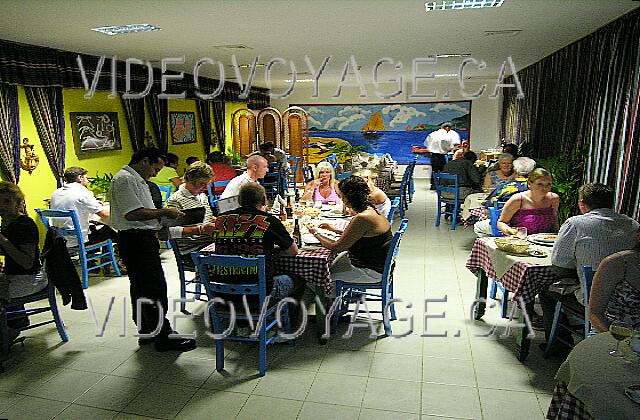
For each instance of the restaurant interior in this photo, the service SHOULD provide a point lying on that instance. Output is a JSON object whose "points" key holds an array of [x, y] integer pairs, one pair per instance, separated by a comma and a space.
{"points": [[351, 86]]}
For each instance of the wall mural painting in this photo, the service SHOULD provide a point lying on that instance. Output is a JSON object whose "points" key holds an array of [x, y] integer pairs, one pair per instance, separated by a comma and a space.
{"points": [[382, 128], [95, 131]]}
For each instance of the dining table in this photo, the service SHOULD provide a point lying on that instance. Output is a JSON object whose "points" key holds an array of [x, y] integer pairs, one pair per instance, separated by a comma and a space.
{"points": [[591, 384], [523, 275]]}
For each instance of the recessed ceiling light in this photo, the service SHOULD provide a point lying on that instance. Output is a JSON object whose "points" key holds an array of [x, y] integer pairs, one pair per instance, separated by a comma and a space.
{"points": [[447, 75], [300, 80], [460, 4], [504, 32], [126, 29], [232, 47], [452, 55]]}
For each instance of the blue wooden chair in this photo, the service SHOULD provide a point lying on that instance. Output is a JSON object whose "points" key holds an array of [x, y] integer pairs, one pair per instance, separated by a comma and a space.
{"points": [[411, 186], [447, 190], [272, 182], [292, 178], [494, 216], [394, 207], [187, 281], [401, 193], [255, 290], [350, 293], [307, 174], [49, 293], [95, 252], [166, 193], [573, 319]]}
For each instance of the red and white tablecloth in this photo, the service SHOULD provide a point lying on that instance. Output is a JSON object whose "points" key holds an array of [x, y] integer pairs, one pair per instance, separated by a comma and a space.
{"points": [[524, 278], [312, 264], [565, 406]]}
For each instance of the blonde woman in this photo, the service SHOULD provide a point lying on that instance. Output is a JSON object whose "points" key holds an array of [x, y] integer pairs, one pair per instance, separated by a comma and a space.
{"points": [[22, 274], [323, 188], [377, 196]]}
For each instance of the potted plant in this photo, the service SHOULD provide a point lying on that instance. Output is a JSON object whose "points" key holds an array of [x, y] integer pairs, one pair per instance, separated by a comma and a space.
{"points": [[567, 170], [345, 153], [99, 185]]}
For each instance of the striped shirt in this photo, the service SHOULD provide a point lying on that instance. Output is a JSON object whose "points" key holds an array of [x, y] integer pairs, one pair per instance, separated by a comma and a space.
{"points": [[588, 238], [182, 200]]}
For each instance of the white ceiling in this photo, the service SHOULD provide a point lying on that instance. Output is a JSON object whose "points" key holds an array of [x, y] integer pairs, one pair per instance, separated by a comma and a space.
{"points": [[369, 30]]}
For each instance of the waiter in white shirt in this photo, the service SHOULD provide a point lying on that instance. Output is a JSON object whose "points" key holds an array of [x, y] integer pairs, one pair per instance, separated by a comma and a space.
{"points": [[439, 143]]}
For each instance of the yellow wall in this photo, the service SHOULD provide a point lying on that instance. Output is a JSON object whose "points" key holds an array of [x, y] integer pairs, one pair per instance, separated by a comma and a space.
{"points": [[230, 108]]}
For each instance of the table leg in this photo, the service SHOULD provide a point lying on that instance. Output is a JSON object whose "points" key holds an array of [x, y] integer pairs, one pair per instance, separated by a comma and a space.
{"points": [[481, 293], [523, 343]]}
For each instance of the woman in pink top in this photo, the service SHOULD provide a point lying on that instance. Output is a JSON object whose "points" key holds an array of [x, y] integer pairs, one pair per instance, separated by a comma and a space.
{"points": [[535, 209], [323, 188]]}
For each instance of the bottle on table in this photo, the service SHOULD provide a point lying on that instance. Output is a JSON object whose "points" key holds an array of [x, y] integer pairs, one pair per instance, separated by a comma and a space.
{"points": [[283, 213], [289, 209], [297, 236]]}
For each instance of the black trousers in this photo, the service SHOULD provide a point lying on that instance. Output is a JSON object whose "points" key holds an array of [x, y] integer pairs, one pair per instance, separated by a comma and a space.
{"points": [[140, 252], [104, 232], [548, 300], [437, 164]]}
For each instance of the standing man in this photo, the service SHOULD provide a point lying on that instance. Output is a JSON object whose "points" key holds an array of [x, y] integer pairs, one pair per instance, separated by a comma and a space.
{"points": [[74, 195], [439, 143], [137, 221], [585, 239], [257, 167]]}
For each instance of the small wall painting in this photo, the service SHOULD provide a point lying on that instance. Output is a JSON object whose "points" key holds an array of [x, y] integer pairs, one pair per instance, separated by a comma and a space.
{"points": [[95, 131], [183, 127]]}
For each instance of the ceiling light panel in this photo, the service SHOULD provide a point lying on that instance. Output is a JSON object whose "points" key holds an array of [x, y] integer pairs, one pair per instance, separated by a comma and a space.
{"points": [[126, 29], [460, 4]]}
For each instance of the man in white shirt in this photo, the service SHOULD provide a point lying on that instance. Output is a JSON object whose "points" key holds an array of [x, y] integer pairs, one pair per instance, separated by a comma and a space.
{"points": [[74, 195], [257, 167], [586, 239], [439, 143], [137, 221]]}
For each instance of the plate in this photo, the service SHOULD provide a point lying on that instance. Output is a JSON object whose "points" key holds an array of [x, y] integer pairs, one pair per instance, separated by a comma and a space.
{"points": [[546, 239], [309, 239], [633, 392], [334, 216], [538, 253]]}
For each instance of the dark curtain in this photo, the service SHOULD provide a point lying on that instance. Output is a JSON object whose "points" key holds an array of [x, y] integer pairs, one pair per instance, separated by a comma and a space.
{"points": [[47, 111], [204, 117], [585, 96], [134, 115], [159, 111], [219, 122], [9, 133]]}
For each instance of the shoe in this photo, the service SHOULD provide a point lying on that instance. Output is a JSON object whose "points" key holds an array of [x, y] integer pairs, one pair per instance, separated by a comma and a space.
{"points": [[175, 344], [145, 341]]}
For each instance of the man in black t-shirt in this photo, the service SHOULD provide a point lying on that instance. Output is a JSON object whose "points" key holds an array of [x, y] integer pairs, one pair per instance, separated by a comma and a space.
{"points": [[249, 231]]}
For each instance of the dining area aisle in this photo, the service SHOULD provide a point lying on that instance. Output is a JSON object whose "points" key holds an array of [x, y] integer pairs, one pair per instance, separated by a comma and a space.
{"points": [[420, 375]]}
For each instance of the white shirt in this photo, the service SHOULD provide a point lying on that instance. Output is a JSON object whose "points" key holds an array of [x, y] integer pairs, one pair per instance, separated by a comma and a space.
{"points": [[441, 141], [74, 196], [128, 192], [233, 187], [588, 238]]}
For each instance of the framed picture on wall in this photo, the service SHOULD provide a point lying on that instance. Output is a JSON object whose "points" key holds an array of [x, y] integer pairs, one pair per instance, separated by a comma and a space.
{"points": [[95, 131], [183, 127]]}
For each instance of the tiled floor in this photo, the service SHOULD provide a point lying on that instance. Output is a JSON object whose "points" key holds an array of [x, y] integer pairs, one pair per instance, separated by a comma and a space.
{"points": [[458, 376]]}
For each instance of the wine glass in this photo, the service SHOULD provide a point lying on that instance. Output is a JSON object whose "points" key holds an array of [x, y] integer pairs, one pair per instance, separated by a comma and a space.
{"points": [[521, 233], [620, 330]]}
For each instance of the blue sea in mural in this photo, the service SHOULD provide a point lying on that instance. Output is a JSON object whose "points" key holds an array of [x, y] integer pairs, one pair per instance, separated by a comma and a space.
{"points": [[396, 143]]}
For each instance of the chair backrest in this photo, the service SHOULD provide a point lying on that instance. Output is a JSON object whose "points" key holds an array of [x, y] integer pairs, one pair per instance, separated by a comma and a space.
{"points": [[446, 182], [307, 174], [204, 262], [294, 161], [587, 280], [494, 216], [75, 231], [393, 251], [333, 160], [217, 184], [213, 198], [166, 193], [394, 207]]}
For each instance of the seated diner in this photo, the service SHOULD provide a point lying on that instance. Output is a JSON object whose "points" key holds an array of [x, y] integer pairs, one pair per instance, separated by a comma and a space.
{"points": [[323, 188]]}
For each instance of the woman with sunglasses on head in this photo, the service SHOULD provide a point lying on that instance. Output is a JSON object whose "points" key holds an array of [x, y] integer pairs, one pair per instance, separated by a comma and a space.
{"points": [[323, 188]]}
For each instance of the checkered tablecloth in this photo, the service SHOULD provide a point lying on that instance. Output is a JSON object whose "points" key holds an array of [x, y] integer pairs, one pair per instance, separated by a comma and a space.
{"points": [[524, 278], [565, 406], [313, 265], [479, 212]]}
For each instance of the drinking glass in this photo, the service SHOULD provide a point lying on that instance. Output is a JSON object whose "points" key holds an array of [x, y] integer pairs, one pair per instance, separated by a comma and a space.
{"points": [[521, 233], [620, 330]]}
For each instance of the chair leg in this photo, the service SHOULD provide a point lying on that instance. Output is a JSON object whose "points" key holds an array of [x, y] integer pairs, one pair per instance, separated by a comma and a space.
{"points": [[263, 349], [505, 304], [53, 304], [454, 216], [114, 263], [384, 298], [183, 293], [554, 329], [287, 323], [85, 271], [494, 289], [439, 213], [392, 306], [219, 355]]}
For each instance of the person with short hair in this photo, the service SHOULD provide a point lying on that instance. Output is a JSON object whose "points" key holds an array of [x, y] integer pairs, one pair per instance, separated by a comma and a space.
{"points": [[504, 173], [439, 143], [222, 171], [192, 159], [168, 175], [469, 178], [137, 220], [257, 167], [250, 230], [585, 239], [190, 195], [74, 195]]}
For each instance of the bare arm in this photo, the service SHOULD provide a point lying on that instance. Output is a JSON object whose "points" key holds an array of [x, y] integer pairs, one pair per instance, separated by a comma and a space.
{"points": [[487, 182], [291, 251], [23, 254], [609, 274], [177, 181], [104, 215], [555, 203], [509, 209], [308, 190], [356, 229], [149, 214]]}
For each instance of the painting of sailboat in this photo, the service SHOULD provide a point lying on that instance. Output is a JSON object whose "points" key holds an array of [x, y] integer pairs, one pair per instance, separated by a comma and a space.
{"points": [[383, 128]]}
